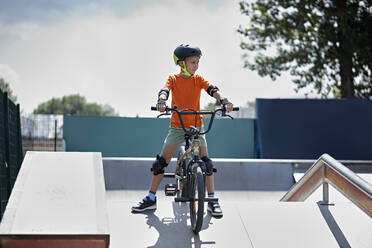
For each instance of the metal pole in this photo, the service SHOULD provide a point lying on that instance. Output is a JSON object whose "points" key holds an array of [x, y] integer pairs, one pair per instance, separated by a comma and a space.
{"points": [[325, 193], [55, 135], [325, 188], [7, 142]]}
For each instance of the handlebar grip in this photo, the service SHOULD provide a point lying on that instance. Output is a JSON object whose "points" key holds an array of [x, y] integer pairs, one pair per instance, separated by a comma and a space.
{"points": [[153, 108], [235, 109]]}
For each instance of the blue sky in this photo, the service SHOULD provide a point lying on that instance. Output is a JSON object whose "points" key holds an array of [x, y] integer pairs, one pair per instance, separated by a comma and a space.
{"points": [[15, 11], [120, 52]]}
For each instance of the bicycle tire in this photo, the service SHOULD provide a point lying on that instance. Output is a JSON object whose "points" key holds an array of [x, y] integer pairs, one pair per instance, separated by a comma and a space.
{"points": [[197, 207], [183, 183]]}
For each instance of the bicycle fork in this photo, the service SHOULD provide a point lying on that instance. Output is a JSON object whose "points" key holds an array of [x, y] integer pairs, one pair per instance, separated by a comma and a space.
{"points": [[196, 162]]}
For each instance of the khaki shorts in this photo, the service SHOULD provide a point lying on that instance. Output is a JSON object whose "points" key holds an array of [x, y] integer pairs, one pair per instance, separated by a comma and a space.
{"points": [[176, 136]]}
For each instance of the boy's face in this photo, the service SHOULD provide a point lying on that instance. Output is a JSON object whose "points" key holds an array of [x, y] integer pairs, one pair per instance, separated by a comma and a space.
{"points": [[192, 64]]}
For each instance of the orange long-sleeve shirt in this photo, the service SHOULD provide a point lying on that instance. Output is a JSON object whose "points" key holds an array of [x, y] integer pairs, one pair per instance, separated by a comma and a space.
{"points": [[186, 95]]}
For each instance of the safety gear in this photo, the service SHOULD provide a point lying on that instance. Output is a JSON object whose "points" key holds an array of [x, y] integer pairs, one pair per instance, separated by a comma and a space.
{"points": [[212, 89], [161, 102], [181, 53], [159, 165], [163, 94], [185, 71], [162, 97], [208, 165], [184, 51]]}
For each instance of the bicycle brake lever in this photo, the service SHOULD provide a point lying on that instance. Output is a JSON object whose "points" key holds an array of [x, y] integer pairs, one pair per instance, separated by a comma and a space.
{"points": [[232, 118], [162, 114]]}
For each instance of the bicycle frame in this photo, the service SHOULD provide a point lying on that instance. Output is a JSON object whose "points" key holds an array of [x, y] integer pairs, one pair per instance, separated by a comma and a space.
{"points": [[193, 133], [192, 166], [191, 157]]}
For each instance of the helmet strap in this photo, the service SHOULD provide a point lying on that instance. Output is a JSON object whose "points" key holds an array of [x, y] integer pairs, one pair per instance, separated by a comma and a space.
{"points": [[184, 70]]}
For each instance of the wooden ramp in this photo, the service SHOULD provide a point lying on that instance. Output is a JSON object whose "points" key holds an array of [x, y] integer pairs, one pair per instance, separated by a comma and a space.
{"points": [[58, 201]]}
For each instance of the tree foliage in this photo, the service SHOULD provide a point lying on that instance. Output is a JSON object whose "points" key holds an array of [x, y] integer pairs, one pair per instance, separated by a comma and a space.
{"points": [[4, 87], [325, 44], [73, 105]]}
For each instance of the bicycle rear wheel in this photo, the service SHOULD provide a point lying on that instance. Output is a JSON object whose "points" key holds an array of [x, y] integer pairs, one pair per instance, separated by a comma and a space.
{"points": [[197, 207]]}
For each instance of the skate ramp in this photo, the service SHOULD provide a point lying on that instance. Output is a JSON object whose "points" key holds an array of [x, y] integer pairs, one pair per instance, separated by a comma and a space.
{"points": [[58, 201], [249, 192], [245, 224]]}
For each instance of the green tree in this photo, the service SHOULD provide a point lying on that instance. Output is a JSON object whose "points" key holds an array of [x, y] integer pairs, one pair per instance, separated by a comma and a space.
{"points": [[325, 44], [73, 105], [4, 87]]}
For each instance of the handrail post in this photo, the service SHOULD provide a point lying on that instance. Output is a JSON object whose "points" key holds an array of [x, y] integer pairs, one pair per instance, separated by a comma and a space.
{"points": [[325, 193], [325, 188]]}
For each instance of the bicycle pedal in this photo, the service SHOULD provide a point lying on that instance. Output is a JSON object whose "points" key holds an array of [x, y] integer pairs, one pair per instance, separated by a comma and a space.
{"points": [[170, 189]]}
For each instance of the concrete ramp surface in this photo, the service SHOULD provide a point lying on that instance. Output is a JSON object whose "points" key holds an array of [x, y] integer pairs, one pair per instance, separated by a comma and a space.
{"points": [[79, 200], [249, 192], [58, 201]]}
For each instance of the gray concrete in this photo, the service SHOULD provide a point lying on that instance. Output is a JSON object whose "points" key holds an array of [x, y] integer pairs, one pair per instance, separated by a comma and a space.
{"points": [[245, 224], [57, 193], [249, 193], [232, 174], [60, 195]]}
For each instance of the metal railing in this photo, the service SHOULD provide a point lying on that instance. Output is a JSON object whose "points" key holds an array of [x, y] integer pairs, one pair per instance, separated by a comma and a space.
{"points": [[326, 170]]}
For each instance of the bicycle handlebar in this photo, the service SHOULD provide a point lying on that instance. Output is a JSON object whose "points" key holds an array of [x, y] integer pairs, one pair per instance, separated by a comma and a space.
{"points": [[192, 112], [234, 109]]}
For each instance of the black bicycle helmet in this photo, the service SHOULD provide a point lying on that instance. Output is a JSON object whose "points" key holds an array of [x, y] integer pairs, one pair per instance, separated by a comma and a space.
{"points": [[184, 51]]}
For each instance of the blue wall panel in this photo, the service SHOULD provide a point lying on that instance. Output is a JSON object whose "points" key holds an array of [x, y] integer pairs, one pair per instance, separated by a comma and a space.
{"points": [[144, 137], [307, 128]]}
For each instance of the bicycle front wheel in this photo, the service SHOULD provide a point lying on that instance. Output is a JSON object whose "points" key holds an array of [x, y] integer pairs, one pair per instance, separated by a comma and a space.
{"points": [[182, 184], [197, 207]]}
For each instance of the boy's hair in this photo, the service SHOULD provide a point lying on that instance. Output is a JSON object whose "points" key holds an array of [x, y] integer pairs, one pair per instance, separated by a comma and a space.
{"points": [[184, 51]]}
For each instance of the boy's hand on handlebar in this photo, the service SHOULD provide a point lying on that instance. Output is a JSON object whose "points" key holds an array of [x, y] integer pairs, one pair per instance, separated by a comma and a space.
{"points": [[160, 106], [229, 107], [227, 104]]}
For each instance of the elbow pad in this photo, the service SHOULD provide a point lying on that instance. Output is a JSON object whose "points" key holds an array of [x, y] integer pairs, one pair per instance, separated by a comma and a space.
{"points": [[164, 92], [212, 89]]}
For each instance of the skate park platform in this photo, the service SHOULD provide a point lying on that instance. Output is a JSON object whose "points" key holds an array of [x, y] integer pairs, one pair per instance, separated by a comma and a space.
{"points": [[58, 200], [249, 191]]}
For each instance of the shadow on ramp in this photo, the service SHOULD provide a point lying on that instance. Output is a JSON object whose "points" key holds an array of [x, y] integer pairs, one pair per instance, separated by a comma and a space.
{"points": [[175, 232], [333, 226]]}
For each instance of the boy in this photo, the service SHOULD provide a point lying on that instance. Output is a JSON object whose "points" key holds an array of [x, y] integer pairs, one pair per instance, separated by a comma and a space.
{"points": [[186, 88]]}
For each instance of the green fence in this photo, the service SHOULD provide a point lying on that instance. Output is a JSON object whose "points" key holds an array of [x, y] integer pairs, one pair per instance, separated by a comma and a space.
{"points": [[144, 137], [10, 148]]}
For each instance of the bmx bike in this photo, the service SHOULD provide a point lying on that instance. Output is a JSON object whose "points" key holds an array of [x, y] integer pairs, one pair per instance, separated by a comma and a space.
{"points": [[190, 171]]}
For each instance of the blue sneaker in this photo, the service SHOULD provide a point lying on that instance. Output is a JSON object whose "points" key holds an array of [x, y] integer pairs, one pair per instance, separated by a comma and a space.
{"points": [[145, 205]]}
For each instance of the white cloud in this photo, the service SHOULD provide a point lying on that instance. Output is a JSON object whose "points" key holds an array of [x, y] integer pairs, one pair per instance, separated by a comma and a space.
{"points": [[125, 60], [9, 75]]}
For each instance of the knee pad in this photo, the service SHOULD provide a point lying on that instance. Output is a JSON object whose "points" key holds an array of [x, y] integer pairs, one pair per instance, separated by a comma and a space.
{"points": [[208, 165], [159, 165]]}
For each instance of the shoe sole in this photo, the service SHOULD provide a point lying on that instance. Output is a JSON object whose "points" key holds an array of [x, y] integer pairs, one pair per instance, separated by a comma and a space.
{"points": [[135, 210], [214, 215]]}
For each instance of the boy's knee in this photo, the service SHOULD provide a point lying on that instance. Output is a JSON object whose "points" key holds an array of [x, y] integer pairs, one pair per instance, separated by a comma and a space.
{"points": [[159, 165], [208, 165]]}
